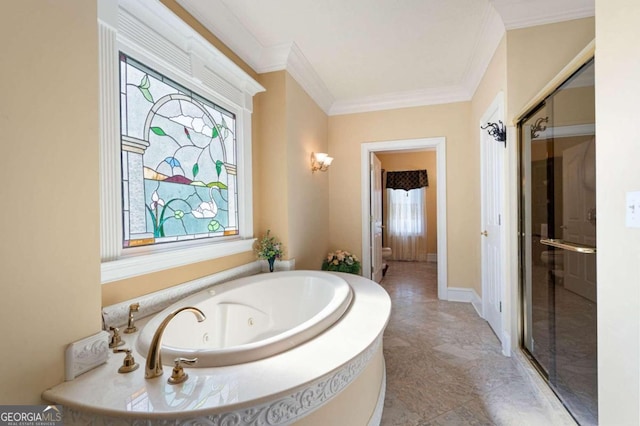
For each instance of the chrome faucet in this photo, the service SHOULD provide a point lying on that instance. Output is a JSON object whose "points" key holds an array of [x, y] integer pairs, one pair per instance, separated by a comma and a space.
{"points": [[154, 357]]}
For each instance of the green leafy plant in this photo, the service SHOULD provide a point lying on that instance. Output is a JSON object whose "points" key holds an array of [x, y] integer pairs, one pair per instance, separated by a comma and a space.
{"points": [[341, 261], [269, 247]]}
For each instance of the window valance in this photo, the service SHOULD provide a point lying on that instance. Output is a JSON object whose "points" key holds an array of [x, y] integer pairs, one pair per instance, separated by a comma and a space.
{"points": [[407, 180]]}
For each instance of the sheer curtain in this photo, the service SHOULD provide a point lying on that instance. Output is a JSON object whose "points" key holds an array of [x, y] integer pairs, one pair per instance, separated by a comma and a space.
{"points": [[406, 224]]}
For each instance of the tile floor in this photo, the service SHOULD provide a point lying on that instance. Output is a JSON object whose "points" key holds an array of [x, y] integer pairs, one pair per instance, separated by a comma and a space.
{"points": [[444, 365]]}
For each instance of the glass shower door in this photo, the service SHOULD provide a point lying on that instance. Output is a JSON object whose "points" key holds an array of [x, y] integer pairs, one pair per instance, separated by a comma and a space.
{"points": [[558, 249]]}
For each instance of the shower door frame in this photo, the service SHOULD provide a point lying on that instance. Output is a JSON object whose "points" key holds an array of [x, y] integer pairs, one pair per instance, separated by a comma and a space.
{"points": [[514, 227], [523, 230]]}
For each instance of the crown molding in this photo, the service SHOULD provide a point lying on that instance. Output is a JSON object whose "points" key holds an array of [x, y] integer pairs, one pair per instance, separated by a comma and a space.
{"points": [[542, 18], [492, 30], [227, 27], [274, 58], [435, 96], [304, 73], [287, 56]]}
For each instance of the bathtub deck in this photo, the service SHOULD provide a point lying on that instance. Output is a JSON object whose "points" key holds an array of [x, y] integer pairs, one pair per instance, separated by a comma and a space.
{"points": [[444, 364]]}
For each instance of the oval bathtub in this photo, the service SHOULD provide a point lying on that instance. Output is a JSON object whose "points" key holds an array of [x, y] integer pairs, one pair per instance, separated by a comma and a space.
{"points": [[337, 377], [251, 318]]}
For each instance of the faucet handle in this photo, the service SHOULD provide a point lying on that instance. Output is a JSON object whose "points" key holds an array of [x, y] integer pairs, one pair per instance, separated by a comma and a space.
{"points": [[178, 375], [115, 340], [131, 328], [129, 364]]}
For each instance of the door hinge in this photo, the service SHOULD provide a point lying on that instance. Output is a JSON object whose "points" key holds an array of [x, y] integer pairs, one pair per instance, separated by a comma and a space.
{"points": [[500, 306], [499, 220]]}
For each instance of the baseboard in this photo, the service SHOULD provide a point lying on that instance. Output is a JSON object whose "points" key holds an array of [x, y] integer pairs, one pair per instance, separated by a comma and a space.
{"points": [[432, 257], [468, 295], [477, 303], [506, 343]]}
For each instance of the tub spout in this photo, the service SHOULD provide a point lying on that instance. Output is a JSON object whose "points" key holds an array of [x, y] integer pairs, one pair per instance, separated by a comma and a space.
{"points": [[154, 357]]}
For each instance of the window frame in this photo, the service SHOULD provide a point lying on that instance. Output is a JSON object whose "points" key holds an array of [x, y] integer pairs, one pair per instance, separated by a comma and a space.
{"points": [[152, 35]]}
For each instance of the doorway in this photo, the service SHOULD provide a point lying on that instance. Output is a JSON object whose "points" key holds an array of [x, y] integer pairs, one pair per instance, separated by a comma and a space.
{"points": [[558, 244], [367, 149]]}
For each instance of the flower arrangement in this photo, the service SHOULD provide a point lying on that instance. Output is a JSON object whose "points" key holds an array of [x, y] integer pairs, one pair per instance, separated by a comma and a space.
{"points": [[341, 261], [269, 247]]}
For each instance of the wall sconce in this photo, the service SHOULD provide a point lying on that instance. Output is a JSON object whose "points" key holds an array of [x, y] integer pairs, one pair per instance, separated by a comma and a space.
{"points": [[498, 131], [320, 161]]}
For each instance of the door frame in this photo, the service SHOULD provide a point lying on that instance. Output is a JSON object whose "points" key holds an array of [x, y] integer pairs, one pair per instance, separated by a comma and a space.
{"points": [[437, 144], [376, 224], [495, 109]]}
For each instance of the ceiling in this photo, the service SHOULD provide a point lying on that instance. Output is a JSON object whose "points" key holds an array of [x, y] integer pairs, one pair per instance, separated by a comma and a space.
{"points": [[365, 55]]}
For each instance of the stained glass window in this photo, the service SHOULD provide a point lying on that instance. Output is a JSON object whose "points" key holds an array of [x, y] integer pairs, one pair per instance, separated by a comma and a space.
{"points": [[179, 168]]}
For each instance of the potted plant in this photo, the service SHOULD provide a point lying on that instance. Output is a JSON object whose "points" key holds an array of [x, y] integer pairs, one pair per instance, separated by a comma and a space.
{"points": [[341, 261], [270, 248]]}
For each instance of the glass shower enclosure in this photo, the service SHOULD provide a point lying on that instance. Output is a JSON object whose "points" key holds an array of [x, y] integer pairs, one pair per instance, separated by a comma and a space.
{"points": [[558, 242]]}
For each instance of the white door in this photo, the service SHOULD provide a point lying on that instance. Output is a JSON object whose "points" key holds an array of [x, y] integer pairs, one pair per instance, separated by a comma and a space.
{"points": [[578, 217], [376, 218], [492, 164]]}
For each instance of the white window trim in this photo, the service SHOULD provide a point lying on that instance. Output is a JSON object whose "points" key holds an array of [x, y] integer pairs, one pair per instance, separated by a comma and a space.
{"points": [[149, 32]]}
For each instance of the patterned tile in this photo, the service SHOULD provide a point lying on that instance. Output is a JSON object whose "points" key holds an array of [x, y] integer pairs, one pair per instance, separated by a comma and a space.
{"points": [[444, 364]]}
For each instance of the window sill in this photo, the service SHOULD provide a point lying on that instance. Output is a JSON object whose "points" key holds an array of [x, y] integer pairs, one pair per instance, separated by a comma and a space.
{"points": [[135, 265]]}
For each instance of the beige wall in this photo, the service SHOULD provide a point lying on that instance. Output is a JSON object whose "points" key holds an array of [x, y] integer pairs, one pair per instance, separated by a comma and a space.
{"points": [[291, 200], [574, 106], [348, 132], [536, 55], [416, 161], [49, 249], [617, 152], [270, 159], [308, 192], [119, 291]]}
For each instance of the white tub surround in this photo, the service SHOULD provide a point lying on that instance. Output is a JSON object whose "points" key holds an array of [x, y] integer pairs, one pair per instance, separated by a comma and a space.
{"points": [[86, 354], [279, 389]]}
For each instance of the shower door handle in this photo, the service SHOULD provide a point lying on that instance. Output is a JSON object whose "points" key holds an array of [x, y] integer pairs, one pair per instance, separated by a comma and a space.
{"points": [[564, 245]]}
